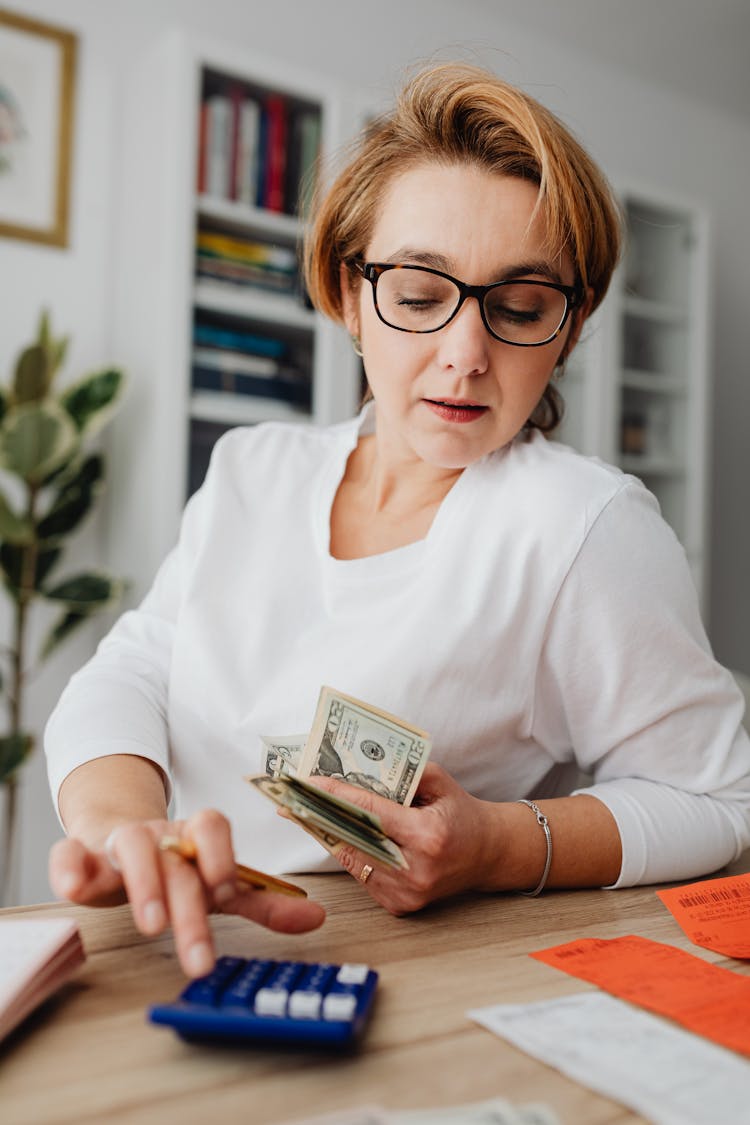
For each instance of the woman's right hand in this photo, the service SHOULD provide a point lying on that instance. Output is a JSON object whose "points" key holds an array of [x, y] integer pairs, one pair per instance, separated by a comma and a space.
{"points": [[165, 889]]}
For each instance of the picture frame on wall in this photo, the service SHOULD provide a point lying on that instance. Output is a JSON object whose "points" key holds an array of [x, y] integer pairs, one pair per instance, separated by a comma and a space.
{"points": [[37, 88]]}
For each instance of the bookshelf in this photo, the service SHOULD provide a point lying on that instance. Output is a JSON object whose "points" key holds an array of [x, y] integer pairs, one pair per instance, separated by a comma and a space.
{"points": [[216, 149], [637, 388]]}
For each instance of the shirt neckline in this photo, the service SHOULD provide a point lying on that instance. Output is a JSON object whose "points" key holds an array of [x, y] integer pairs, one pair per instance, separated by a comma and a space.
{"points": [[398, 558]]}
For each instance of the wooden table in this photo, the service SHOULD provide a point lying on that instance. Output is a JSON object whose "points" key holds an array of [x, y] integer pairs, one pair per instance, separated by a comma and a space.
{"points": [[89, 1055]]}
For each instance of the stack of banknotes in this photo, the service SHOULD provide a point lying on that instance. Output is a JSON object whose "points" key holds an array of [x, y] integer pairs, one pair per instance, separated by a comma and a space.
{"points": [[354, 742]]}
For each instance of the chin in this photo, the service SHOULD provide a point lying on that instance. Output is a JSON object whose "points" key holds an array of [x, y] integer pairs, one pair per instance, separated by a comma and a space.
{"points": [[449, 453]]}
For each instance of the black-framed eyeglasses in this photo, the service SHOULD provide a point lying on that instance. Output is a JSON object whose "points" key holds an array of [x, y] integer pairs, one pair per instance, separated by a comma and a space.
{"points": [[420, 299]]}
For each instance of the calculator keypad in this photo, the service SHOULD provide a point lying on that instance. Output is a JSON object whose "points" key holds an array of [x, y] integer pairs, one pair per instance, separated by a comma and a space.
{"points": [[264, 1000]]}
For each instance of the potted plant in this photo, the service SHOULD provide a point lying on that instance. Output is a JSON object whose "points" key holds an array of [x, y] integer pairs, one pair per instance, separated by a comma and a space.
{"points": [[49, 480]]}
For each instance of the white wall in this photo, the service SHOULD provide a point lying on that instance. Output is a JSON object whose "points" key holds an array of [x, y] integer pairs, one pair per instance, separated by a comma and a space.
{"points": [[639, 132]]}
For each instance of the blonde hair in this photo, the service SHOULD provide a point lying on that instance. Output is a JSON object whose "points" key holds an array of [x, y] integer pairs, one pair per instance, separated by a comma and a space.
{"points": [[454, 113]]}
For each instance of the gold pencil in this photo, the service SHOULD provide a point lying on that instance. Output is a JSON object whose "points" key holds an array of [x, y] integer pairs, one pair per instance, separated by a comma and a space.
{"points": [[257, 879]]}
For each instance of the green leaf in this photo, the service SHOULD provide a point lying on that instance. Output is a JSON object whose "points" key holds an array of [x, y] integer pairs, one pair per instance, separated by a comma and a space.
{"points": [[67, 624], [92, 401], [44, 332], [14, 528], [86, 592], [33, 374], [14, 750], [35, 439], [73, 500], [4, 403], [57, 352], [85, 595], [12, 561]]}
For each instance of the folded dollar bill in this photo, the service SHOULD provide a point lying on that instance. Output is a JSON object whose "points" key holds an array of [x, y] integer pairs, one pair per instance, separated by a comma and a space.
{"points": [[330, 819], [354, 742], [283, 753]]}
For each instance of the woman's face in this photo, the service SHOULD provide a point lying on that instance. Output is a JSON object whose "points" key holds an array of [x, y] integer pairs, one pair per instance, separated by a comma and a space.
{"points": [[450, 397]]}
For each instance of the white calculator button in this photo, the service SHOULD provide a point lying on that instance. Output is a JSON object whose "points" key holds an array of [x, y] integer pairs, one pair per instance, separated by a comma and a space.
{"points": [[339, 1006], [352, 974], [305, 1005], [271, 1001]]}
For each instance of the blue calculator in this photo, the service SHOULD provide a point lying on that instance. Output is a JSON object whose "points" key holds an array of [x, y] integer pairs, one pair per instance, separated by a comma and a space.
{"points": [[244, 1000]]}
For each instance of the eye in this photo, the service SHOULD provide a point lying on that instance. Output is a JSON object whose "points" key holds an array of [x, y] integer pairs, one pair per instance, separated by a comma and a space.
{"points": [[525, 303], [415, 294]]}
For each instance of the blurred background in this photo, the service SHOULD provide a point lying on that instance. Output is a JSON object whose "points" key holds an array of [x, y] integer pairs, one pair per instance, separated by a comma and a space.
{"points": [[178, 254]]}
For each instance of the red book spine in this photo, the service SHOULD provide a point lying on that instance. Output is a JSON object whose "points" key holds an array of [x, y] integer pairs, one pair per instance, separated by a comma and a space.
{"points": [[276, 108], [202, 146]]}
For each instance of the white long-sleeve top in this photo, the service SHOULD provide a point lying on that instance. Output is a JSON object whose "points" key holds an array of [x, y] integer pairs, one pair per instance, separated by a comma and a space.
{"points": [[547, 624]]}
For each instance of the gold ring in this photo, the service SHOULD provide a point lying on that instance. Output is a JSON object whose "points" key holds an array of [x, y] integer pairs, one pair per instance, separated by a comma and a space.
{"points": [[365, 873]]}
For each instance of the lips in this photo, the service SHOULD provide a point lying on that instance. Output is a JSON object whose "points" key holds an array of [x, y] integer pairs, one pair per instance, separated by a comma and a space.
{"points": [[456, 410]]}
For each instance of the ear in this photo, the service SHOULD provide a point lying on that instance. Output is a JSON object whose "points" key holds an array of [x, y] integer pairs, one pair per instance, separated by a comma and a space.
{"points": [[580, 315], [349, 301]]}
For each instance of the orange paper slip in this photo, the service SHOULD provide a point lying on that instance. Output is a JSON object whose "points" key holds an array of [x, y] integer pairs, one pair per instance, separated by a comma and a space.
{"points": [[703, 998], [714, 913]]}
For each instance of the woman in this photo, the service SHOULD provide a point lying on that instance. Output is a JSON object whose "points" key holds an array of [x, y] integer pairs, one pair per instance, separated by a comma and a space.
{"points": [[438, 556]]}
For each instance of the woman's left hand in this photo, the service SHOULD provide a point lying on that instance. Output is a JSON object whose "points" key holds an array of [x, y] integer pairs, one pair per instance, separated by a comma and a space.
{"points": [[446, 838]]}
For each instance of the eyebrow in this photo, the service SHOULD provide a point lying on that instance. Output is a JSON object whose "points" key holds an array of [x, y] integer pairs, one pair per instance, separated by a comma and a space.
{"points": [[410, 256]]}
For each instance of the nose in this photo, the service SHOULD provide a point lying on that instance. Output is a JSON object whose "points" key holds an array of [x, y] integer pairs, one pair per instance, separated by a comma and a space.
{"points": [[465, 342]]}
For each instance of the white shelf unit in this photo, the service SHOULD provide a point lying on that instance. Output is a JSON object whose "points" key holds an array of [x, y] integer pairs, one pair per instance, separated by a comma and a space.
{"points": [[637, 388], [167, 430]]}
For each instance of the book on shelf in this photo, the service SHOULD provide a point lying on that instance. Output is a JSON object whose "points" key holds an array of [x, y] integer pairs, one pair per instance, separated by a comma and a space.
{"points": [[239, 260], [287, 387], [304, 150], [218, 140], [275, 154], [260, 149], [202, 173], [237, 273], [236, 340], [244, 249], [37, 955], [243, 410], [222, 360], [248, 138]]}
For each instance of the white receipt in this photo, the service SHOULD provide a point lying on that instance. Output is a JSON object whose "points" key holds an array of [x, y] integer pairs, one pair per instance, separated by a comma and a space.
{"points": [[668, 1075]]}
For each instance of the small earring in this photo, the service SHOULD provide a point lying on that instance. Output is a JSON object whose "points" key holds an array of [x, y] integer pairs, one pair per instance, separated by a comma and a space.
{"points": [[357, 345]]}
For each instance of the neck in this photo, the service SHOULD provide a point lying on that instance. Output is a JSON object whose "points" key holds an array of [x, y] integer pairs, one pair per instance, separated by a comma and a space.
{"points": [[396, 483]]}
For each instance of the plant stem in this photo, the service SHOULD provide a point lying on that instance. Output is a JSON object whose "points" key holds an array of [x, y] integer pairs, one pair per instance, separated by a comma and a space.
{"points": [[26, 592], [7, 870]]}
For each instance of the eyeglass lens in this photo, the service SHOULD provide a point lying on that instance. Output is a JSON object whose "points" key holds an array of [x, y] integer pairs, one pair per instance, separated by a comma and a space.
{"points": [[521, 312]]}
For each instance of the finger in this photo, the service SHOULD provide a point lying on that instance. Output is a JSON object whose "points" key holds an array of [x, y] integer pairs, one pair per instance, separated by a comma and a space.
{"points": [[186, 903], [212, 836], [82, 876], [434, 783], [277, 912], [393, 817], [133, 849]]}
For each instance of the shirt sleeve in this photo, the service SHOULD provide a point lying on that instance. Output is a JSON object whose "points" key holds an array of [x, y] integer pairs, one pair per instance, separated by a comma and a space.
{"points": [[628, 686], [117, 702]]}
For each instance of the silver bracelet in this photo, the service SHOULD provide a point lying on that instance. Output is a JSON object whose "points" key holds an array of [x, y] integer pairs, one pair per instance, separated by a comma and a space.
{"points": [[542, 821]]}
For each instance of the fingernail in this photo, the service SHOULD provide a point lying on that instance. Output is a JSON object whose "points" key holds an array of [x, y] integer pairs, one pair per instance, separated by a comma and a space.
{"points": [[224, 892], [154, 916], [200, 959]]}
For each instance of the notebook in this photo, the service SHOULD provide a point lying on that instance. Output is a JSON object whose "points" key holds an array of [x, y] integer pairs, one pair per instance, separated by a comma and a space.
{"points": [[36, 956]]}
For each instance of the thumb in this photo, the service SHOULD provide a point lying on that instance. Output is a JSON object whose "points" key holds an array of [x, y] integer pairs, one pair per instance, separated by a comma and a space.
{"points": [[83, 876]]}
